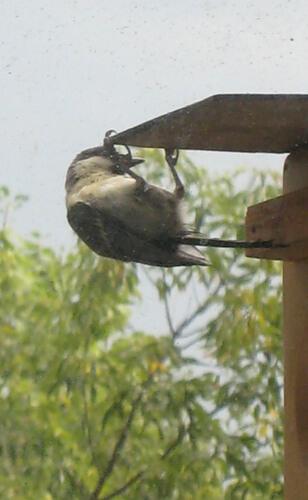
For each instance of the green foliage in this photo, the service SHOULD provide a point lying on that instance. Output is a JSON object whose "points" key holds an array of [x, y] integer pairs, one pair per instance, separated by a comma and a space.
{"points": [[90, 409]]}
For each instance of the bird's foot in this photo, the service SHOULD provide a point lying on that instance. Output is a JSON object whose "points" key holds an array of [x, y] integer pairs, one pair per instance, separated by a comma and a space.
{"points": [[172, 158]]}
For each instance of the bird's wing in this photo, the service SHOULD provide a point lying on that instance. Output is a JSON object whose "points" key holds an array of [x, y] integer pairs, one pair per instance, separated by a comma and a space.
{"points": [[103, 234], [106, 235]]}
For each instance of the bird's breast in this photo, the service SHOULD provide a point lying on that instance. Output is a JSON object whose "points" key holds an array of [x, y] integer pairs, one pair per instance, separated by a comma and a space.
{"points": [[153, 213]]}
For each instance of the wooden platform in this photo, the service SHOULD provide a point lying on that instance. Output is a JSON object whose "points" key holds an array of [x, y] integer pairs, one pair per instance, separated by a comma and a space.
{"points": [[264, 123]]}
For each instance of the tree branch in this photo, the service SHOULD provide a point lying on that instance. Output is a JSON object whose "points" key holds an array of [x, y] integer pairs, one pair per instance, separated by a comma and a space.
{"points": [[119, 445], [181, 433], [137, 477], [86, 424], [175, 443], [199, 310], [167, 309], [75, 483], [125, 486]]}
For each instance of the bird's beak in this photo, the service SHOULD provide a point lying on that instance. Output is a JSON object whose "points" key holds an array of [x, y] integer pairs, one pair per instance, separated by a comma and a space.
{"points": [[135, 161], [129, 162]]}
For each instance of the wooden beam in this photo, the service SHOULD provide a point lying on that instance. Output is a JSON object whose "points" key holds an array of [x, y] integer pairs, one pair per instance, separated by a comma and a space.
{"points": [[295, 319], [268, 123], [285, 221]]}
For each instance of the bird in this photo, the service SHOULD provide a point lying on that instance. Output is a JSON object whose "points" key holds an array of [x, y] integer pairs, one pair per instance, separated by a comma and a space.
{"points": [[119, 215]]}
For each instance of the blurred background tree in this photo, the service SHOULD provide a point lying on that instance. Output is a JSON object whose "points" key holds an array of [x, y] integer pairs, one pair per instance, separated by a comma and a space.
{"points": [[92, 409]]}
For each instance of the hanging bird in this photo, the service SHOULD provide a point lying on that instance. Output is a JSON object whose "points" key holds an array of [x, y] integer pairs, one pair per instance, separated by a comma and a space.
{"points": [[119, 215]]}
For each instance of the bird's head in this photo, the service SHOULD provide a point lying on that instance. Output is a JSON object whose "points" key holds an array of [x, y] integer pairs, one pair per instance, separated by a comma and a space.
{"points": [[98, 161]]}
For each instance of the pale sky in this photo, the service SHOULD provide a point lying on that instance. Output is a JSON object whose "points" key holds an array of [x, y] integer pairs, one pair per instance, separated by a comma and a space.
{"points": [[70, 70]]}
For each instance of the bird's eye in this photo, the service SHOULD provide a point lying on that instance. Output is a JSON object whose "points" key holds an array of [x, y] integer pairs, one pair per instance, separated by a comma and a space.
{"points": [[117, 169]]}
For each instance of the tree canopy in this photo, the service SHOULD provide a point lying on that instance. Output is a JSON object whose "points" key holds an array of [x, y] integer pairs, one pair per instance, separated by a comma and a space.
{"points": [[93, 409]]}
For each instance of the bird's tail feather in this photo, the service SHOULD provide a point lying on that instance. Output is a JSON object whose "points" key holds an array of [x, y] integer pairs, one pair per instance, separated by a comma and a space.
{"points": [[190, 256]]}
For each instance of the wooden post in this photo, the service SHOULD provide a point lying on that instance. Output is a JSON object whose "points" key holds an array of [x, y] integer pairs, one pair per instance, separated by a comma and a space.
{"points": [[284, 220], [295, 318]]}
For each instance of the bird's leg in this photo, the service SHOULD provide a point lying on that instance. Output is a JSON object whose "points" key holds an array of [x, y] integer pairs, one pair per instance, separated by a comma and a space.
{"points": [[125, 165], [141, 184], [171, 158]]}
